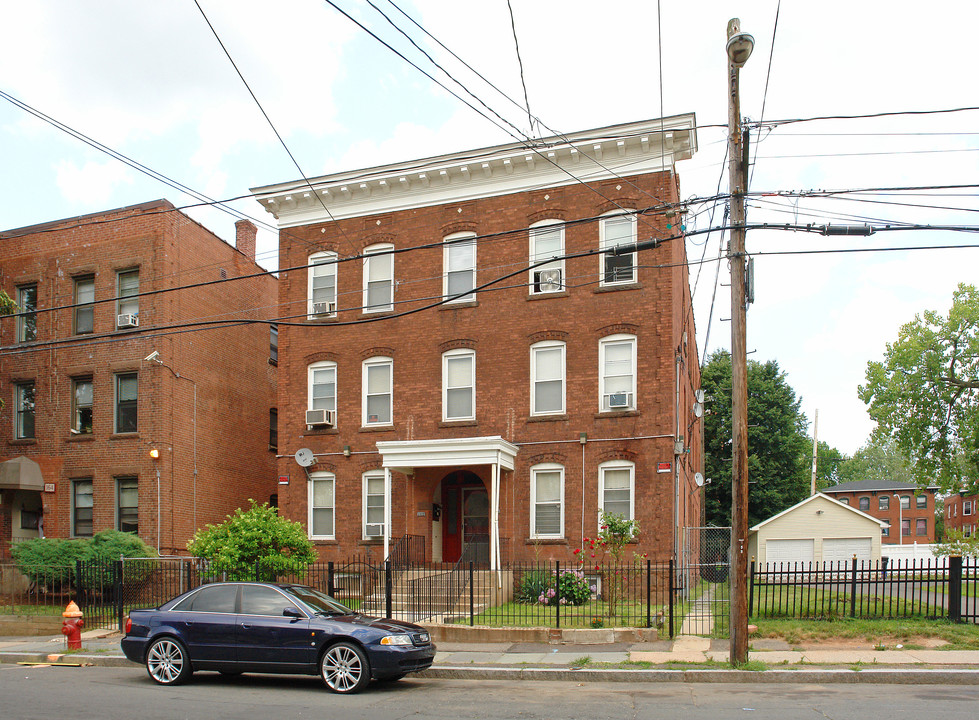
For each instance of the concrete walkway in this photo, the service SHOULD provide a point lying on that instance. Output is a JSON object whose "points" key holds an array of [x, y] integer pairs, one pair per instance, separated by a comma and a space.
{"points": [[684, 659]]}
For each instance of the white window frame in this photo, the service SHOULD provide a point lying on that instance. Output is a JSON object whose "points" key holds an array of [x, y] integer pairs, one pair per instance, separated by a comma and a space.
{"points": [[606, 244], [538, 230], [310, 387], [548, 345], [603, 390], [370, 363], [447, 359], [613, 465], [314, 477], [547, 468], [321, 264], [966, 507], [374, 261], [456, 242], [127, 304], [376, 475]]}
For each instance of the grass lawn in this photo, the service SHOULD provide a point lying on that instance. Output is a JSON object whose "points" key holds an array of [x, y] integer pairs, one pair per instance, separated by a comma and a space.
{"points": [[906, 631]]}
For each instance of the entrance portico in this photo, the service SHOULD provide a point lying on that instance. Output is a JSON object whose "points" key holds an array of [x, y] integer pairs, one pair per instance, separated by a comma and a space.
{"points": [[406, 455]]}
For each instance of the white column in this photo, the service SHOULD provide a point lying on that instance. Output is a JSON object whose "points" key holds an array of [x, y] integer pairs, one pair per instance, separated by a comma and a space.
{"points": [[387, 512], [495, 516]]}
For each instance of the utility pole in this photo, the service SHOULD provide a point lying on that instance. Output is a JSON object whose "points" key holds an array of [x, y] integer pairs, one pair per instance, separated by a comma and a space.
{"points": [[739, 47], [815, 445]]}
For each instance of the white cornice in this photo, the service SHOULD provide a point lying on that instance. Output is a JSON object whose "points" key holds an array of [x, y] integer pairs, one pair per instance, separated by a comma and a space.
{"points": [[588, 156]]}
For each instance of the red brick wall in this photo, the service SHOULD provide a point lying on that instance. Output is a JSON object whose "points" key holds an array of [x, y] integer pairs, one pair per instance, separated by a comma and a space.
{"points": [[955, 517], [894, 516]]}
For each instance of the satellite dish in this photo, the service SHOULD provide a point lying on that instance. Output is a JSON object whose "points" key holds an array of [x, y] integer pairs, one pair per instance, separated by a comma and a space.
{"points": [[698, 409], [699, 394], [699, 479], [305, 457]]}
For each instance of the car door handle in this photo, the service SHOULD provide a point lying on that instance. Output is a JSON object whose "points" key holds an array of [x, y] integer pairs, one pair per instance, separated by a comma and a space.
{"points": [[245, 626]]}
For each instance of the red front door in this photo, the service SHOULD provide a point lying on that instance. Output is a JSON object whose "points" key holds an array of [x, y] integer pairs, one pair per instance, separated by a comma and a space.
{"points": [[465, 513]]}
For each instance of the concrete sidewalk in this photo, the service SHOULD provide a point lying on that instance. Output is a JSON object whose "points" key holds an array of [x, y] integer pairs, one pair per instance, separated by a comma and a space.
{"points": [[684, 659]]}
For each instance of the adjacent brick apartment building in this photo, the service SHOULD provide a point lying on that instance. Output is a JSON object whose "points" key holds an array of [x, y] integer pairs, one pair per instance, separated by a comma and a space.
{"points": [[464, 365], [105, 367], [902, 505], [960, 513]]}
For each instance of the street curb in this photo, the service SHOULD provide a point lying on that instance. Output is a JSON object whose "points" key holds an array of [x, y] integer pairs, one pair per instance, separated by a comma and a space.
{"points": [[94, 660]]}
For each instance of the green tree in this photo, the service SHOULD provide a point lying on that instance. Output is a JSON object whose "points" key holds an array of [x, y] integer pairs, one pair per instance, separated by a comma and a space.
{"points": [[879, 459], [956, 543], [257, 536], [924, 394], [829, 462], [778, 467]]}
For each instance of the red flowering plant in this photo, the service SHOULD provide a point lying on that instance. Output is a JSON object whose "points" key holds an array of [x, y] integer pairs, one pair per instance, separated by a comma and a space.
{"points": [[614, 533]]}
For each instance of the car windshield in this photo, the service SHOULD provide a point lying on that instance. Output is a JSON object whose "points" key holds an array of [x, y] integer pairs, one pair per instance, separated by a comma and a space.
{"points": [[317, 601]]}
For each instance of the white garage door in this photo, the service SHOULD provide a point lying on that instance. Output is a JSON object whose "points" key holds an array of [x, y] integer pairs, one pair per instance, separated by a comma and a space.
{"points": [[837, 549], [789, 551]]}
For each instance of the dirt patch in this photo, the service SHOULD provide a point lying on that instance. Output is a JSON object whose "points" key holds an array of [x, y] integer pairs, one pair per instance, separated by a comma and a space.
{"points": [[889, 643]]}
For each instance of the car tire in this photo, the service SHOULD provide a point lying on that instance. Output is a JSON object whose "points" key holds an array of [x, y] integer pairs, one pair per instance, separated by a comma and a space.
{"points": [[344, 668], [167, 661]]}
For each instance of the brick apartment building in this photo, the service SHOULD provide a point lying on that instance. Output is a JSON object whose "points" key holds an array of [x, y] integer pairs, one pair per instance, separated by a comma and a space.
{"points": [[960, 513], [103, 369], [463, 365], [902, 505]]}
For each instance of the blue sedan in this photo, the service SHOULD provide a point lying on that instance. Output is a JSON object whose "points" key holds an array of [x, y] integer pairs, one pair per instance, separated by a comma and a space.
{"points": [[238, 627]]}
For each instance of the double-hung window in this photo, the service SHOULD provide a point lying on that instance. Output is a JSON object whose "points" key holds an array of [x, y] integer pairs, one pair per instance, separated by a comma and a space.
{"points": [[921, 527], [322, 291], [864, 503], [323, 388], [459, 259], [547, 378], [547, 501], [905, 502], [618, 230], [127, 294], [459, 385], [378, 278], [84, 304], [547, 247], [377, 382], [27, 306], [81, 406], [126, 403], [883, 502], [373, 509], [966, 507], [24, 408], [617, 359], [321, 505], [616, 480], [921, 502], [127, 504], [81, 507]]}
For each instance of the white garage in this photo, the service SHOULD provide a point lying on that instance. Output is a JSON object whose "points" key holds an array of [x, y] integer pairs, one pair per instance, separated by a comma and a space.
{"points": [[817, 529]]}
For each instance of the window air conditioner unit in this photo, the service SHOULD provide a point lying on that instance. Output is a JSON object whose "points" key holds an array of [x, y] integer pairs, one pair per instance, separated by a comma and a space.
{"points": [[324, 308], [619, 400], [549, 280], [375, 530], [127, 321], [321, 417]]}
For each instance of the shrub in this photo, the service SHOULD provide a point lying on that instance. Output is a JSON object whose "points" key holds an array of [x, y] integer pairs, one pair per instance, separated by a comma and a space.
{"points": [[49, 562], [530, 586], [572, 589]]}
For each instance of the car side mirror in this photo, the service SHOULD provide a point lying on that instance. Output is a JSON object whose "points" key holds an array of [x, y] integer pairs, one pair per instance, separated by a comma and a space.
{"points": [[291, 612]]}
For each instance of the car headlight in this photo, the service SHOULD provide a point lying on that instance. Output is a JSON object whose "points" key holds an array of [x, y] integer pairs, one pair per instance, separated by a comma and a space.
{"points": [[396, 640]]}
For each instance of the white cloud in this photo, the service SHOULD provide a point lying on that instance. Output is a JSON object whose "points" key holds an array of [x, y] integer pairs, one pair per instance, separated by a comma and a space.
{"points": [[92, 184]]}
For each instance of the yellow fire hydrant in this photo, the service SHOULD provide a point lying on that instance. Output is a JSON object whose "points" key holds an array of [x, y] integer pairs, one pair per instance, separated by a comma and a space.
{"points": [[71, 626]]}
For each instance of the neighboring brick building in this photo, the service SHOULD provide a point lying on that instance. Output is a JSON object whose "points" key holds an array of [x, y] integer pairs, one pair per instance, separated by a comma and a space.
{"points": [[960, 513], [501, 419], [900, 504], [85, 403]]}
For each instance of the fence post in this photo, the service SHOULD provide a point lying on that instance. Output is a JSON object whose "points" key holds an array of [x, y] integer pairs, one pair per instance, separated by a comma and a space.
{"points": [[649, 593], [472, 596], [119, 584], [672, 591], [853, 586], [557, 594], [751, 588], [330, 587], [79, 582], [388, 589], [955, 588]]}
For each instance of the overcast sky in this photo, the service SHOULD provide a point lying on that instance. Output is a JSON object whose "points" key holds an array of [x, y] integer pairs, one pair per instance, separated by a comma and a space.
{"points": [[150, 81]]}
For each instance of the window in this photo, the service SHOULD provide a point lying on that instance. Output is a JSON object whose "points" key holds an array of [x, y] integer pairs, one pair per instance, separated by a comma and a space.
{"points": [[864, 503], [883, 502], [885, 531], [81, 508], [615, 483], [81, 406], [905, 502], [921, 502], [273, 429], [261, 600], [373, 510], [127, 294], [618, 230], [274, 344], [921, 527], [377, 379], [24, 408], [127, 504], [211, 599], [459, 260], [459, 385], [126, 387], [323, 386], [844, 500], [906, 527], [547, 501], [547, 378], [617, 370], [547, 241], [378, 278], [85, 305], [321, 505], [322, 285], [966, 507], [27, 304]]}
